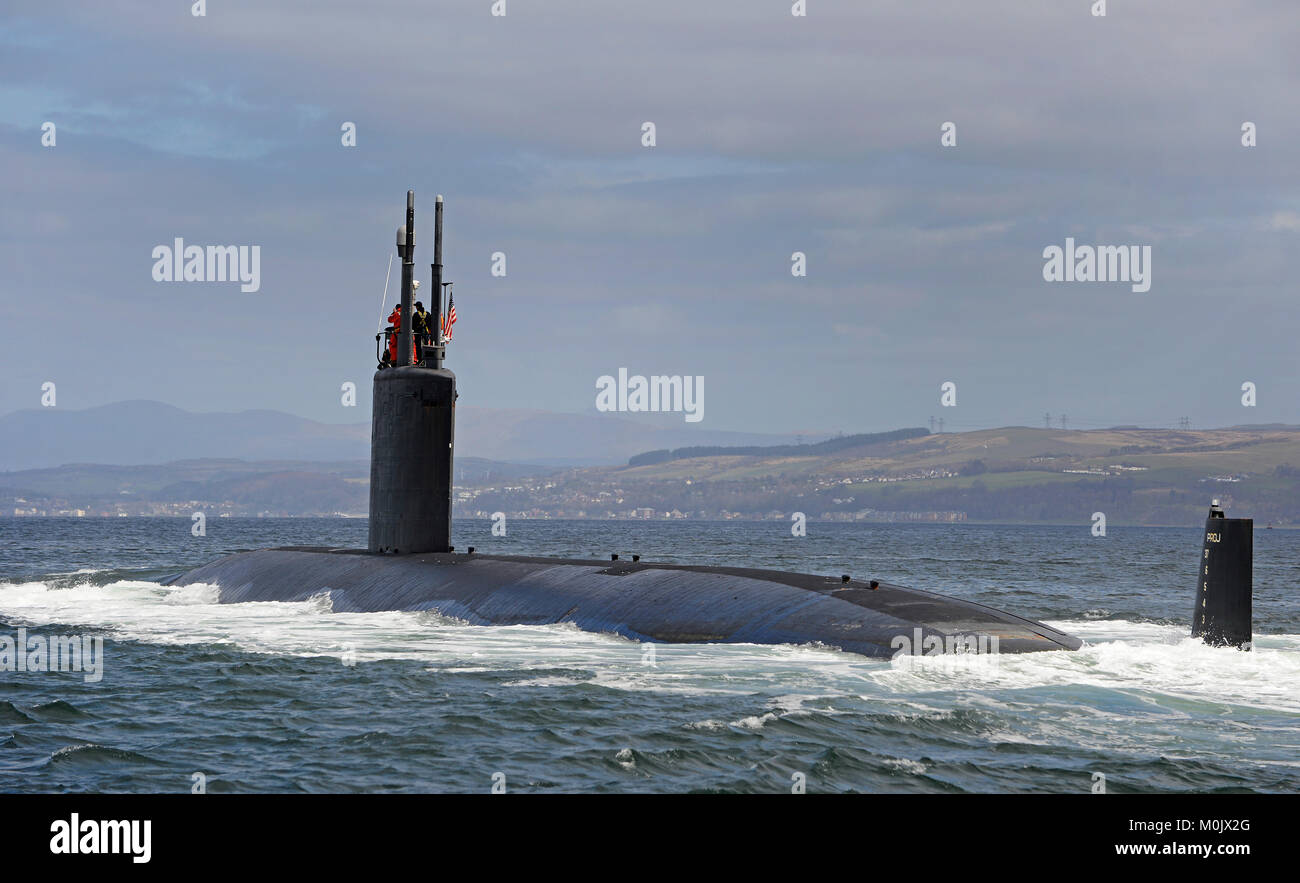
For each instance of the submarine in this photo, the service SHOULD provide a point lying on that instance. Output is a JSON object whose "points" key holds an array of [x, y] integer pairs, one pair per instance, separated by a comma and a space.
{"points": [[410, 565]]}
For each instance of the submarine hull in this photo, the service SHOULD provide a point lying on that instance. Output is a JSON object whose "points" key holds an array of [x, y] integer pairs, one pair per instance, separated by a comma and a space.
{"points": [[409, 563], [663, 603]]}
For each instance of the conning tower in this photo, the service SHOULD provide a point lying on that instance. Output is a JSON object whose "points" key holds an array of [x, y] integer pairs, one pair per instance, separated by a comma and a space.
{"points": [[413, 423]]}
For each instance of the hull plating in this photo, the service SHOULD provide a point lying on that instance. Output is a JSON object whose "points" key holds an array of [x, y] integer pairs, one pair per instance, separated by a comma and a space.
{"points": [[644, 602]]}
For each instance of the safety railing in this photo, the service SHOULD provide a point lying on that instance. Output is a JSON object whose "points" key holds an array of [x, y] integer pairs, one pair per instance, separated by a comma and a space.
{"points": [[384, 347]]}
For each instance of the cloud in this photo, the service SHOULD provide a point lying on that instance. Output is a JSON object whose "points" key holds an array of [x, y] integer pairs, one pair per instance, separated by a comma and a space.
{"points": [[1286, 221], [776, 135]]}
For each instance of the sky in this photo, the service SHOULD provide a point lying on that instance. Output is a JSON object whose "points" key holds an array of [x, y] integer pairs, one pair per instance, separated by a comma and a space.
{"points": [[774, 134]]}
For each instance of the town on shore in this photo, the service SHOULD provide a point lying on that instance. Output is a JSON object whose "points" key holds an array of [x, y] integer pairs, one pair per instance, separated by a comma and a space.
{"points": [[1015, 474]]}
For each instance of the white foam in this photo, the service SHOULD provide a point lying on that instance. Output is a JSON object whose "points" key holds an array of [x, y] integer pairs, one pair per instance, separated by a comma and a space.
{"points": [[153, 613], [906, 765], [755, 722], [1149, 660]]}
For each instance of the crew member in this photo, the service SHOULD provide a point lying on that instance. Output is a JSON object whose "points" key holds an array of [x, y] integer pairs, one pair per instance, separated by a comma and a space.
{"points": [[420, 327], [394, 332]]}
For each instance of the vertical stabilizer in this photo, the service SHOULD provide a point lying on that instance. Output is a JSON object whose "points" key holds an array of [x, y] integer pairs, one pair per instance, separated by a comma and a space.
{"points": [[1224, 591]]}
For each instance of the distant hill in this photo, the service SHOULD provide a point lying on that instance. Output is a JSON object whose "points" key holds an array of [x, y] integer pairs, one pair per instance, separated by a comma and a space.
{"points": [[1011, 474], [830, 446], [145, 432], [554, 439], [95, 481], [1189, 452], [238, 487], [142, 432]]}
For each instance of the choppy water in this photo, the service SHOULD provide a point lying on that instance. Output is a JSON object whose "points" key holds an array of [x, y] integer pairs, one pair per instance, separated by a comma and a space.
{"points": [[258, 696]]}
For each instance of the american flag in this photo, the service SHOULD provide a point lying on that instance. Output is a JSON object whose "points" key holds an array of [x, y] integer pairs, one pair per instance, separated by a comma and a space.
{"points": [[449, 319]]}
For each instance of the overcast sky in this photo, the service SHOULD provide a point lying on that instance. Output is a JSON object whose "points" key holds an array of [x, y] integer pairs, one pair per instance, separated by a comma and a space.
{"points": [[775, 134]]}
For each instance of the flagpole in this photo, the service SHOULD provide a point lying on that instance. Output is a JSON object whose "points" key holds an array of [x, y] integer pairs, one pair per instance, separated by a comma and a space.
{"points": [[447, 309]]}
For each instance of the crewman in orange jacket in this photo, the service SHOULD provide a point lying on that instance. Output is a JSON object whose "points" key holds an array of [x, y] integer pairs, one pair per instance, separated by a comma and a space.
{"points": [[395, 320]]}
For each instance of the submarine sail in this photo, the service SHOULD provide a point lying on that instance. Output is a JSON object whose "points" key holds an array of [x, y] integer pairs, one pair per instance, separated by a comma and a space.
{"points": [[413, 425]]}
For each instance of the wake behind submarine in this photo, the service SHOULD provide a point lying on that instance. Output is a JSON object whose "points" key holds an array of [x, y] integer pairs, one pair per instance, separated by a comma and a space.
{"points": [[410, 564]]}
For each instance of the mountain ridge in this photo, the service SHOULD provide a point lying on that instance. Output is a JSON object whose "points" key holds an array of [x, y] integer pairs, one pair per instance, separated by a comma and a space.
{"points": [[142, 431]]}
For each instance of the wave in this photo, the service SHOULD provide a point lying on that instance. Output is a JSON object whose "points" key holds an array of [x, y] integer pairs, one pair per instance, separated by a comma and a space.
{"points": [[92, 756], [1151, 660]]}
